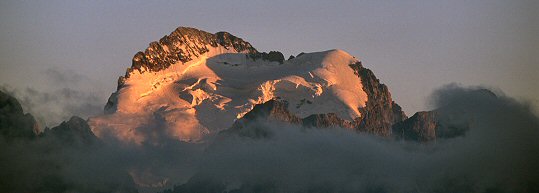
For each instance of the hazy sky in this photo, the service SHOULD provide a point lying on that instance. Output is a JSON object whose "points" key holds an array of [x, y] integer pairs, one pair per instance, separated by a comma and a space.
{"points": [[412, 46]]}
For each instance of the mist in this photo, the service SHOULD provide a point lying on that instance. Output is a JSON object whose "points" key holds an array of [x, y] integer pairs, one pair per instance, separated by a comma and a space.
{"points": [[73, 94], [498, 153]]}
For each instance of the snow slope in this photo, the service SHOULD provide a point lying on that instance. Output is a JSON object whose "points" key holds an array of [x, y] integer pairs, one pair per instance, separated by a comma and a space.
{"points": [[189, 100]]}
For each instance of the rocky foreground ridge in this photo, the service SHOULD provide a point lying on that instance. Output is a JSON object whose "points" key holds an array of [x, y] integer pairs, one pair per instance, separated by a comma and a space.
{"points": [[53, 159]]}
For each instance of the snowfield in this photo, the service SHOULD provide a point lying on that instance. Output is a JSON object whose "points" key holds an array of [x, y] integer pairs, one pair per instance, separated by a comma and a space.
{"points": [[188, 101]]}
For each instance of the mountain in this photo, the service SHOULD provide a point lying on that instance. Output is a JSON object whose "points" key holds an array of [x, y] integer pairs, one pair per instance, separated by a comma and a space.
{"points": [[210, 113], [14, 123], [65, 158], [447, 121], [191, 84]]}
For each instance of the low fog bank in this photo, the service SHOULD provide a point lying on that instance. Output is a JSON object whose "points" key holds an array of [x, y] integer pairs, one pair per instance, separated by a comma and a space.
{"points": [[73, 94], [498, 153], [70, 158]]}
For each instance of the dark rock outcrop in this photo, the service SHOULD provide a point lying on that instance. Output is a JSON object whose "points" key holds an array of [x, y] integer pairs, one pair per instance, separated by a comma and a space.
{"points": [[427, 126], [274, 110], [420, 127], [452, 119], [14, 123], [277, 110], [272, 56], [326, 120], [73, 132], [380, 112], [66, 158], [291, 57]]}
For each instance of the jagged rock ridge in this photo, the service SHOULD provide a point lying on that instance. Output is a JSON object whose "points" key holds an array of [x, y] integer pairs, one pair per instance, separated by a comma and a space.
{"points": [[185, 44], [380, 112]]}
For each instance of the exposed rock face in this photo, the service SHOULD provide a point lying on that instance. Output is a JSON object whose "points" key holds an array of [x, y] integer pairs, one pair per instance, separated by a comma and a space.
{"points": [[73, 132], [277, 110], [273, 56], [184, 44], [271, 110], [448, 121], [380, 112], [14, 123], [427, 126], [420, 127], [327, 120]]}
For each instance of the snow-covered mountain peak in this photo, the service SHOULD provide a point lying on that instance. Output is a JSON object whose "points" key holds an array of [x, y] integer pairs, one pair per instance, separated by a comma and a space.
{"points": [[192, 84], [185, 44]]}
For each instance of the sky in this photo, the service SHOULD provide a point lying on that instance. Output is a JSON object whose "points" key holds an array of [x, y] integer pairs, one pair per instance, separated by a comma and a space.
{"points": [[79, 48]]}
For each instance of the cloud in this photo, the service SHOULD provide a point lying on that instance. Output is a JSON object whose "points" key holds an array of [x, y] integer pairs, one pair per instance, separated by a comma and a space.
{"points": [[64, 77], [52, 107], [500, 152], [67, 158], [73, 95]]}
